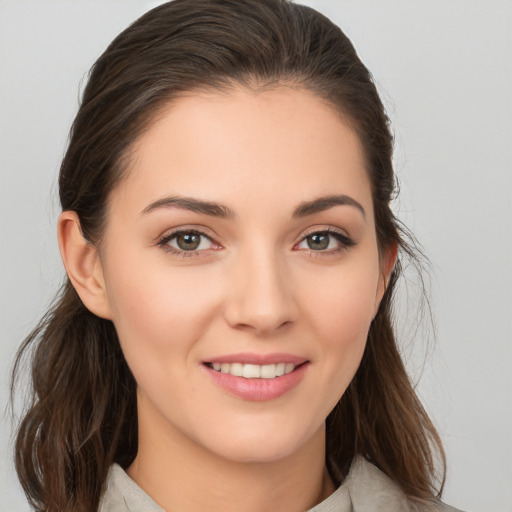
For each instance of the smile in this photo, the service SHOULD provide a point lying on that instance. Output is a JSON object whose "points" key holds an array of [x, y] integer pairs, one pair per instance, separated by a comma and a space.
{"points": [[254, 371], [258, 377]]}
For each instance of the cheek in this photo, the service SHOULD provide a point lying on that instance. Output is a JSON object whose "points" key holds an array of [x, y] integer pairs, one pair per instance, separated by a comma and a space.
{"points": [[343, 303], [158, 313], [340, 313]]}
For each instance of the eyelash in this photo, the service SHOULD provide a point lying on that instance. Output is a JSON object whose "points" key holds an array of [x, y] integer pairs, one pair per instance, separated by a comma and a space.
{"points": [[345, 242], [164, 242]]}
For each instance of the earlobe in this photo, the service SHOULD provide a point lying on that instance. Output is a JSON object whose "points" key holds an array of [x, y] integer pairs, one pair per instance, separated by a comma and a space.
{"points": [[83, 265], [387, 264]]}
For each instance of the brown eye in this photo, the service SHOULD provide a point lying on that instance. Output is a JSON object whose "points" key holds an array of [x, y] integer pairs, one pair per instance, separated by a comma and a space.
{"points": [[327, 241], [188, 241], [318, 241]]}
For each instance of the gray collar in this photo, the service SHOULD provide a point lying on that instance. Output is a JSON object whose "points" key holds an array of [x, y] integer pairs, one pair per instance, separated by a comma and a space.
{"points": [[366, 489]]}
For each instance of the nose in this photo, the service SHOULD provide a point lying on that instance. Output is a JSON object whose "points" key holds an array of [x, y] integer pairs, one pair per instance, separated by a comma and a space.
{"points": [[260, 294]]}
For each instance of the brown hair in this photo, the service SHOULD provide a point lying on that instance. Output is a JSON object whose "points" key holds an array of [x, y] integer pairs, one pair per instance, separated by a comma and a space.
{"points": [[82, 416]]}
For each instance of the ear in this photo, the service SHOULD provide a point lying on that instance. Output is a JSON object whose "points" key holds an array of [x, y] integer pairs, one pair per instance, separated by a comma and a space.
{"points": [[83, 265], [387, 263]]}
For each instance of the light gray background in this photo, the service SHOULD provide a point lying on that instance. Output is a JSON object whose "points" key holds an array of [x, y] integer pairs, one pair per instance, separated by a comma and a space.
{"points": [[444, 69]]}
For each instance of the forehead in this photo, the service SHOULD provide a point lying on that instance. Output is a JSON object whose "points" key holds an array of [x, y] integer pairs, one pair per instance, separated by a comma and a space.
{"points": [[241, 146]]}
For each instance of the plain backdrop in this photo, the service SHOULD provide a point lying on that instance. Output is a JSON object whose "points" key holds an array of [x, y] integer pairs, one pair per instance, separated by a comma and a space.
{"points": [[444, 70]]}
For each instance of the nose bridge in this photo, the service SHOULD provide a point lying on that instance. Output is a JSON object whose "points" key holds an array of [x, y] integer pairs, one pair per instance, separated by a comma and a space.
{"points": [[261, 296]]}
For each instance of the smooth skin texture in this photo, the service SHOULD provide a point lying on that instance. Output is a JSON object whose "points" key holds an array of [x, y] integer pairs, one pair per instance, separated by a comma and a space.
{"points": [[257, 280]]}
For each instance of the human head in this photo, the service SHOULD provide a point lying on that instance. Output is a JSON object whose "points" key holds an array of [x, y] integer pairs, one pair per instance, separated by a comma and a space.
{"points": [[189, 45], [185, 45]]}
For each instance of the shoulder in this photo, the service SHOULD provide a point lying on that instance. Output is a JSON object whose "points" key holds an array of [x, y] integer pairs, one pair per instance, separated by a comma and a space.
{"points": [[122, 494], [371, 489]]}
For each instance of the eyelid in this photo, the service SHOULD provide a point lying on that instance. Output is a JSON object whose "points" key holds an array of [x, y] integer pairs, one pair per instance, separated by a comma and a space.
{"points": [[196, 228], [163, 241], [345, 240], [324, 229]]}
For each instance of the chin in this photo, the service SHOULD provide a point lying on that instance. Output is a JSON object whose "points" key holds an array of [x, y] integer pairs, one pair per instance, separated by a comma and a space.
{"points": [[255, 453], [259, 445]]}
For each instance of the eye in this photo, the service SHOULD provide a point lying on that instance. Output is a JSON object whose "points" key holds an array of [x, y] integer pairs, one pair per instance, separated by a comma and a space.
{"points": [[187, 241], [325, 241]]}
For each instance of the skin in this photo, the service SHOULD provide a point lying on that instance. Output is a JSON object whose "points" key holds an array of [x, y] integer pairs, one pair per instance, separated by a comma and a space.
{"points": [[253, 285]]}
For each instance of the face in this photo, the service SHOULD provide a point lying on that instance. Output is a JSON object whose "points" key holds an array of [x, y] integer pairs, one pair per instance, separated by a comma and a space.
{"points": [[242, 269]]}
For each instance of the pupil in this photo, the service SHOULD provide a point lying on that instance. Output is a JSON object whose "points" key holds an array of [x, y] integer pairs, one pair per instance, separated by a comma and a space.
{"points": [[318, 241], [188, 241]]}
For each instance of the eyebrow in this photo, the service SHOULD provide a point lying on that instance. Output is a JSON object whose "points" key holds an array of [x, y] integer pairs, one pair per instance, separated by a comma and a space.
{"points": [[324, 203], [193, 205], [218, 210]]}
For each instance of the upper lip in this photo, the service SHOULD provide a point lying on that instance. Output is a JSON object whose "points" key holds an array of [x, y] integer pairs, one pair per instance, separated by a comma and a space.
{"points": [[259, 359]]}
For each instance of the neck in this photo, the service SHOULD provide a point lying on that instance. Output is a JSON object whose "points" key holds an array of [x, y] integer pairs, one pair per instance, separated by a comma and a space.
{"points": [[181, 476]]}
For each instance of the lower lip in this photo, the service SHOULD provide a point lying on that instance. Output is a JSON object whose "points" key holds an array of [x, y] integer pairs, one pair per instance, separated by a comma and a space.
{"points": [[258, 389]]}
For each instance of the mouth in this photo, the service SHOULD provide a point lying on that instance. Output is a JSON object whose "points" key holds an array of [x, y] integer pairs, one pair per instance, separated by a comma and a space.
{"points": [[257, 377], [254, 371]]}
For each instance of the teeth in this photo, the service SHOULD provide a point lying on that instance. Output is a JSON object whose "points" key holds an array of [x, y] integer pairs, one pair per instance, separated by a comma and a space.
{"points": [[268, 371], [251, 371], [254, 371], [237, 369], [289, 368]]}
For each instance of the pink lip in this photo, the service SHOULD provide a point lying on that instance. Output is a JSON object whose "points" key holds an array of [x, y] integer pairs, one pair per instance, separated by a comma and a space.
{"points": [[257, 389], [260, 359]]}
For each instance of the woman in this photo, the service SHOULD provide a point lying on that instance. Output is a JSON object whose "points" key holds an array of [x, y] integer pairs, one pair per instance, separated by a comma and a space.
{"points": [[224, 338]]}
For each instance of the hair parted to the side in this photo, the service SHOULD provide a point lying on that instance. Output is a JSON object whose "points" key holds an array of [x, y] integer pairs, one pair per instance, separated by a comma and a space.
{"points": [[82, 417]]}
